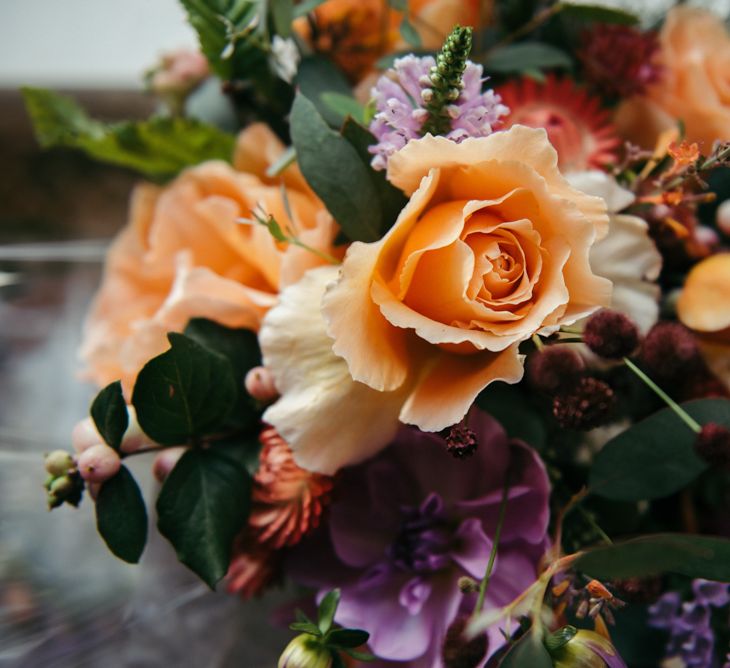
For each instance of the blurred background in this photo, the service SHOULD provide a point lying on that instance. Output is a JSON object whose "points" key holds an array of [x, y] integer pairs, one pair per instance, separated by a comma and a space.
{"points": [[64, 599]]}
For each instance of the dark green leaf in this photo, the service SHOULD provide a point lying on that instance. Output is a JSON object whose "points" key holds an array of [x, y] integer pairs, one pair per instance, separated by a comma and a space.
{"points": [[598, 13], [347, 638], [409, 33], [512, 409], [158, 148], [335, 172], [327, 609], [392, 200], [337, 661], [109, 412], [525, 56], [305, 627], [185, 392], [694, 556], [282, 11], [305, 6], [318, 76], [203, 505], [121, 517], [654, 457], [360, 656], [399, 5], [343, 105], [528, 651]]}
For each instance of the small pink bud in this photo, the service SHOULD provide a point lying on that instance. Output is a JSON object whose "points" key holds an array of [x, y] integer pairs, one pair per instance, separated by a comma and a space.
{"points": [[98, 463], [723, 217], [260, 384], [706, 236], [84, 435], [165, 462]]}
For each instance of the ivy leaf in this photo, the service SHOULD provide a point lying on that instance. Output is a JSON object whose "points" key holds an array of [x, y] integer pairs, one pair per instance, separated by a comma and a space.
{"points": [[158, 148], [327, 609], [694, 556], [525, 56], [203, 505], [597, 13], [121, 516], [185, 392], [335, 172], [527, 651], [655, 457], [347, 638], [109, 412]]}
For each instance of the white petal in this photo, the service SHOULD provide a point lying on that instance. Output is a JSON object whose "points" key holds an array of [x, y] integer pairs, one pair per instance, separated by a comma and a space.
{"points": [[599, 184]]}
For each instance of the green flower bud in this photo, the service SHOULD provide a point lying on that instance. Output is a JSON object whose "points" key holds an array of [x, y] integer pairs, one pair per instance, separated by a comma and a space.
{"points": [[305, 651], [58, 462], [573, 648]]}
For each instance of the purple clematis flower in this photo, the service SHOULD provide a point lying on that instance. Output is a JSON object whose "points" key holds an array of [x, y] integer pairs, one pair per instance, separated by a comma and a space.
{"points": [[407, 524]]}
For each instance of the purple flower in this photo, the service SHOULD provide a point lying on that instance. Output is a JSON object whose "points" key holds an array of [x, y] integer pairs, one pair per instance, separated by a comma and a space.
{"points": [[407, 524], [401, 111]]}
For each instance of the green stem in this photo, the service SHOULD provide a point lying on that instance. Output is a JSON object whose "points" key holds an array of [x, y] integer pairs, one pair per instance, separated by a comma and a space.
{"points": [[680, 412], [538, 342], [495, 545]]}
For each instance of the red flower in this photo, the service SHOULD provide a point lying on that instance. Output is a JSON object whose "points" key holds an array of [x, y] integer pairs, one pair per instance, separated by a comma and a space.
{"points": [[576, 124]]}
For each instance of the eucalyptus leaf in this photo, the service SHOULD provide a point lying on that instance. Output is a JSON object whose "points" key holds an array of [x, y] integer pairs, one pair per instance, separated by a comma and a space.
{"points": [[158, 148], [184, 393], [344, 105], [305, 6], [525, 57], [694, 556], [511, 407], [109, 412], [121, 516], [336, 173], [282, 12], [317, 77], [587, 11], [204, 503], [655, 457]]}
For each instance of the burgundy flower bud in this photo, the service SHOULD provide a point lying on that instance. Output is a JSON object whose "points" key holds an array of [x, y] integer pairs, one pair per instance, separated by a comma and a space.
{"points": [[459, 651], [670, 352], [713, 445], [586, 406], [553, 368], [611, 334], [461, 441]]}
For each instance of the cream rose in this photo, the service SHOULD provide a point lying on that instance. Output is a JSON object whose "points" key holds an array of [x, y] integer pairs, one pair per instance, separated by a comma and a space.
{"points": [[185, 254], [492, 247], [694, 86]]}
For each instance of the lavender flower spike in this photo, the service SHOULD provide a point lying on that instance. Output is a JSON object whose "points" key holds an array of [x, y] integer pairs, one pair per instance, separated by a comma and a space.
{"points": [[401, 97]]}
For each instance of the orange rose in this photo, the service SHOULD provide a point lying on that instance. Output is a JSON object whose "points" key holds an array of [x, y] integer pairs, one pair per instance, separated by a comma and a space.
{"points": [[704, 306], [694, 86], [355, 33], [184, 254], [492, 248]]}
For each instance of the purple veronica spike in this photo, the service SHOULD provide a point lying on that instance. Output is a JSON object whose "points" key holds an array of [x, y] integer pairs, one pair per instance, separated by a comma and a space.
{"points": [[401, 112]]}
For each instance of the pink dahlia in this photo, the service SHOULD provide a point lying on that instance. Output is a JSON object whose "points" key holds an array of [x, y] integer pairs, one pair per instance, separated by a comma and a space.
{"points": [[576, 124]]}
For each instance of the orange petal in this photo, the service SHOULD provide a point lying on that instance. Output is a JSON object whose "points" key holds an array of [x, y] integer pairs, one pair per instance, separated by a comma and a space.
{"points": [[704, 304]]}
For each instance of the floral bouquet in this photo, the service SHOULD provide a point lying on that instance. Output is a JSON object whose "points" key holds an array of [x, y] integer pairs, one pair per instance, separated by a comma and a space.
{"points": [[440, 335]]}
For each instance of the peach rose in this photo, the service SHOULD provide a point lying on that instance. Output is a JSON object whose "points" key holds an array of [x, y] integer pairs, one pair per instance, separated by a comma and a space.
{"points": [[492, 247], [184, 254], [704, 307], [694, 86], [355, 33]]}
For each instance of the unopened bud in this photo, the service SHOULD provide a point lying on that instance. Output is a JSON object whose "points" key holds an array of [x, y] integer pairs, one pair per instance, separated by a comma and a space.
{"points": [[305, 651], [468, 585], [610, 334], [59, 462], [99, 463], [553, 368], [586, 406], [570, 647]]}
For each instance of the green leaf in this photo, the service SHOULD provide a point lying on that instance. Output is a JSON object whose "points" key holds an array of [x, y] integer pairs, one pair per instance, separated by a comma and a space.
{"points": [[343, 105], [409, 33], [598, 13], [159, 147], [183, 393], [399, 5], [360, 656], [510, 406], [109, 412], [282, 12], [525, 56], [347, 638], [392, 200], [335, 172], [655, 457], [694, 556], [318, 76], [203, 505], [327, 609], [305, 6], [527, 651], [306, 627], [121, 517]]}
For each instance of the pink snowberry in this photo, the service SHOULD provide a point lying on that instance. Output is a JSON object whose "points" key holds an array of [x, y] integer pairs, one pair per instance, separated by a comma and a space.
{"points": [[98, 463]]}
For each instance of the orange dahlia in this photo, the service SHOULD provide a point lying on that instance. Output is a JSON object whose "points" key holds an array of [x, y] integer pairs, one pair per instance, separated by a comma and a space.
{"points": [[288, 501], [576, 124]]}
